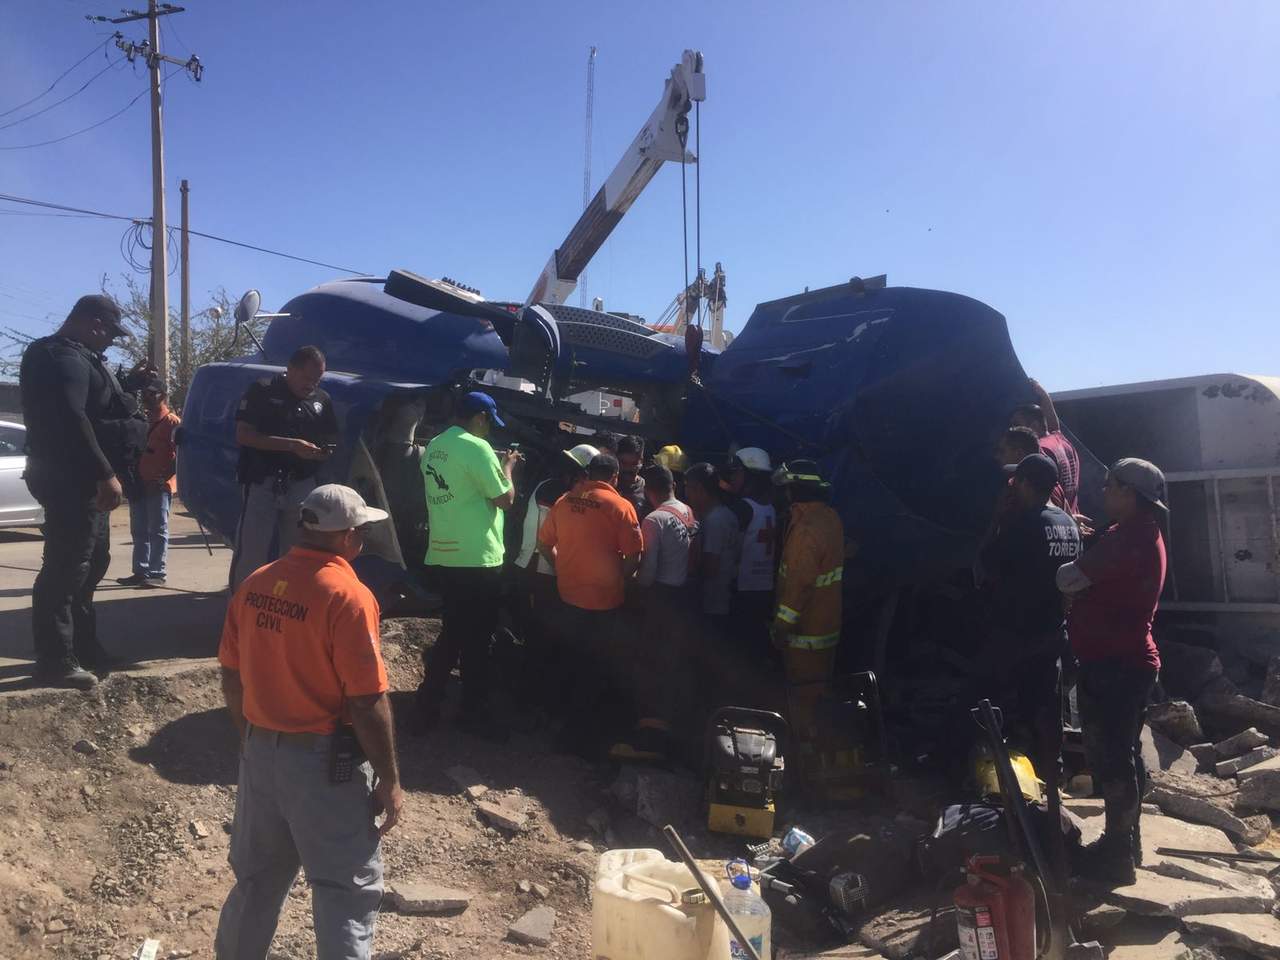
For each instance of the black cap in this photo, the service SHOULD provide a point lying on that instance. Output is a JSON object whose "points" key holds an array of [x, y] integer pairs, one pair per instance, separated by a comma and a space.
{"points": [[98, 306], [154, 383], [1038, 469]]}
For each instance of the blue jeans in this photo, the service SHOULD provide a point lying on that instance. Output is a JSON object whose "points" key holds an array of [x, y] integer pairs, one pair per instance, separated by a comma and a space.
{"points": [[149, 524]]}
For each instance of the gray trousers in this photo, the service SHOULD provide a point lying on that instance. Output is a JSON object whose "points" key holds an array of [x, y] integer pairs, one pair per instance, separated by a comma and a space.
{"points": [[288, 815], [266, 517]]}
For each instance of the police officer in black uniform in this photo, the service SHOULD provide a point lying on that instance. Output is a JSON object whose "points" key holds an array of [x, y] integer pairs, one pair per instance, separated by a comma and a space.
{"points": [[285, 428], [84, 434]]}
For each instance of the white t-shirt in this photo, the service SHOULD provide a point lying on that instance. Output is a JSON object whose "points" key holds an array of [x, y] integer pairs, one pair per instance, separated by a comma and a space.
{"points": [[535, 513], [755, 569], [720, 538]]}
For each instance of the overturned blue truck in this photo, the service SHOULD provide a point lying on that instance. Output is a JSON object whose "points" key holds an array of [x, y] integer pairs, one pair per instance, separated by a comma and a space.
{"points": [[899, 393]]}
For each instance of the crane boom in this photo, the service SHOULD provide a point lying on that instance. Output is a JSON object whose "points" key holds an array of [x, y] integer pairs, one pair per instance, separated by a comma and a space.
{"points": [[660, 139], [586, 162]]}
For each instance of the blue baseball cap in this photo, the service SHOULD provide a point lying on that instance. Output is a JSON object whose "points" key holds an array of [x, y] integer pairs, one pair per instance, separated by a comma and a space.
{"points": [[479, 402]]}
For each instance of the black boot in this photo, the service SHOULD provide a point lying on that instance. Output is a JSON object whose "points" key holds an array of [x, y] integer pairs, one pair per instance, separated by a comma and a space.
{"points": [[1108, 862], [65, 673]]}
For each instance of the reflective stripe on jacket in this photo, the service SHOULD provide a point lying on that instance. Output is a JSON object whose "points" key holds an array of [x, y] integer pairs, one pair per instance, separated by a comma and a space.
{"points": [[810, 576]]}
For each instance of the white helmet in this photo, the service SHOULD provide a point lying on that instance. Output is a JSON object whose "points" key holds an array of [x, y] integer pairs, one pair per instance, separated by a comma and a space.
{"points": [[753, 458], [582, 454]]}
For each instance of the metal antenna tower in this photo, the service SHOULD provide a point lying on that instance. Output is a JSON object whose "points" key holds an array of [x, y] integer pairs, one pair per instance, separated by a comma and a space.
{"points": [[586, 162]]}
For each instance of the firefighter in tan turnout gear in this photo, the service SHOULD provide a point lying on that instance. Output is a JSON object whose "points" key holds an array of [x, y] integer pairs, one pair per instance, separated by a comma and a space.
{"points": [[806, 621]]}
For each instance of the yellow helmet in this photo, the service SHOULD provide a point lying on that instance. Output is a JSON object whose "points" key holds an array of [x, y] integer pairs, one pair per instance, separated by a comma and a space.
{"points": [[987, 780], [673, 458]]}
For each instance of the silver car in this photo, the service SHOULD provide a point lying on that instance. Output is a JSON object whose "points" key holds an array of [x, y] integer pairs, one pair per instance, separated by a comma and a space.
{"points": [[18, 508]]}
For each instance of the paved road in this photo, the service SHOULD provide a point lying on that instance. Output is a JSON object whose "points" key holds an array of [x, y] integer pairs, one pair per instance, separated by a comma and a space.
{"points": [[182, 619]]}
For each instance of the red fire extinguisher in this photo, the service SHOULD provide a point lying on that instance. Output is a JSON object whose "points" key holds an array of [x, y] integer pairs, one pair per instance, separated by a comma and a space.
{"points": [[995, 912]]}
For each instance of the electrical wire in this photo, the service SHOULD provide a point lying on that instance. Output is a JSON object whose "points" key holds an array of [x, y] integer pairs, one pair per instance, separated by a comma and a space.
{"points": [[277, 253], [61, 76], [58, 206], [44, 204], [145, 91], [58, 103]]}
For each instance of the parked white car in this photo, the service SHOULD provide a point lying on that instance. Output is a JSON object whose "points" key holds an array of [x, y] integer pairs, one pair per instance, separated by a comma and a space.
{"points": [[18, 508]]}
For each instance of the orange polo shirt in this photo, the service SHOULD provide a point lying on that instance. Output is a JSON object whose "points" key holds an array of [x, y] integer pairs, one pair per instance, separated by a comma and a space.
{"points": [[303, 634], [592, 529]]}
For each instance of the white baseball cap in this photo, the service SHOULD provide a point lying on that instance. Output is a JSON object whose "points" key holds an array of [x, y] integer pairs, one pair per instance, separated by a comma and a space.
{"points": [[582, 454], [753, 458], [333, 507]]}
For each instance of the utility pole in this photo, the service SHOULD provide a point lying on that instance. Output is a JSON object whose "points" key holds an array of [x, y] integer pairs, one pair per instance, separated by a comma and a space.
{"points": [[586, 164], [150, 51], [184, 346], [159, 238]]}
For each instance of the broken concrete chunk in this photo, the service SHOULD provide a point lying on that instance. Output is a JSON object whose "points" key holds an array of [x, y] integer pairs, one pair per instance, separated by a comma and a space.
{"points": [[1177, 720], [1159, 753], [1217, 874], [524, 886], [503, 816], [198, 829], [1242, 742], [1205, 800], [1205, 753], [541, 890], [534, 927], [1229, 768], [468, 781], [425, 898], [1256, 935], [1100, 918], [1260, 790], [904, 932], [1155, 896], [56, 925], [87, 747], [1266, 766]]}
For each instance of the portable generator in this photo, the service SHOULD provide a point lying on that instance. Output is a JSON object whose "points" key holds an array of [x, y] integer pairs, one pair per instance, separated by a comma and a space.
{"points": [[745, 768]]}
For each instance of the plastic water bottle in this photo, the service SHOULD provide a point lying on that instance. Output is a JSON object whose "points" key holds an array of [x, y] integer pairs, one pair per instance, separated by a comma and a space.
{"points": [[750, 912], [796, 841]]}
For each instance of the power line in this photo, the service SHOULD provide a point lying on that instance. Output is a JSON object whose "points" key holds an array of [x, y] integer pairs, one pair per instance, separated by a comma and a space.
{"points": [[94, 126], [56, 82], [277, 253], [58, 103], [63, 207], [208, 236]]}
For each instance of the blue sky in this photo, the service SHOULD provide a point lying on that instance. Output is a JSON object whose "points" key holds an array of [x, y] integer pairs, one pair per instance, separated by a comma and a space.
{"points": [[1103, 174]]}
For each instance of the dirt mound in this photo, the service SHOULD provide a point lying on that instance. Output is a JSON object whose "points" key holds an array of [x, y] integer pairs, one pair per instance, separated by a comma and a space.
{"points": [[115, 808]]}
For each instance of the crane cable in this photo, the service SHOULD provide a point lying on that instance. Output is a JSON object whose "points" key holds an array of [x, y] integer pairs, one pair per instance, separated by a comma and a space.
{"points": [[682, 133], [697, 204]]}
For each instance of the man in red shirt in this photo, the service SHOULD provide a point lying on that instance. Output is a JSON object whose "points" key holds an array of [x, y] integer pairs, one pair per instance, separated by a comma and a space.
{"points": [[303, 677], [592, 539], [152, 493], [1043, 419], [1114, 590]]}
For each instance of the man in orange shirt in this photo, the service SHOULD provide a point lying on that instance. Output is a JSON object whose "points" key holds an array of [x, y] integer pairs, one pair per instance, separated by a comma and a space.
{"points": [[303, 677], [152, 493], [592, 539]]}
